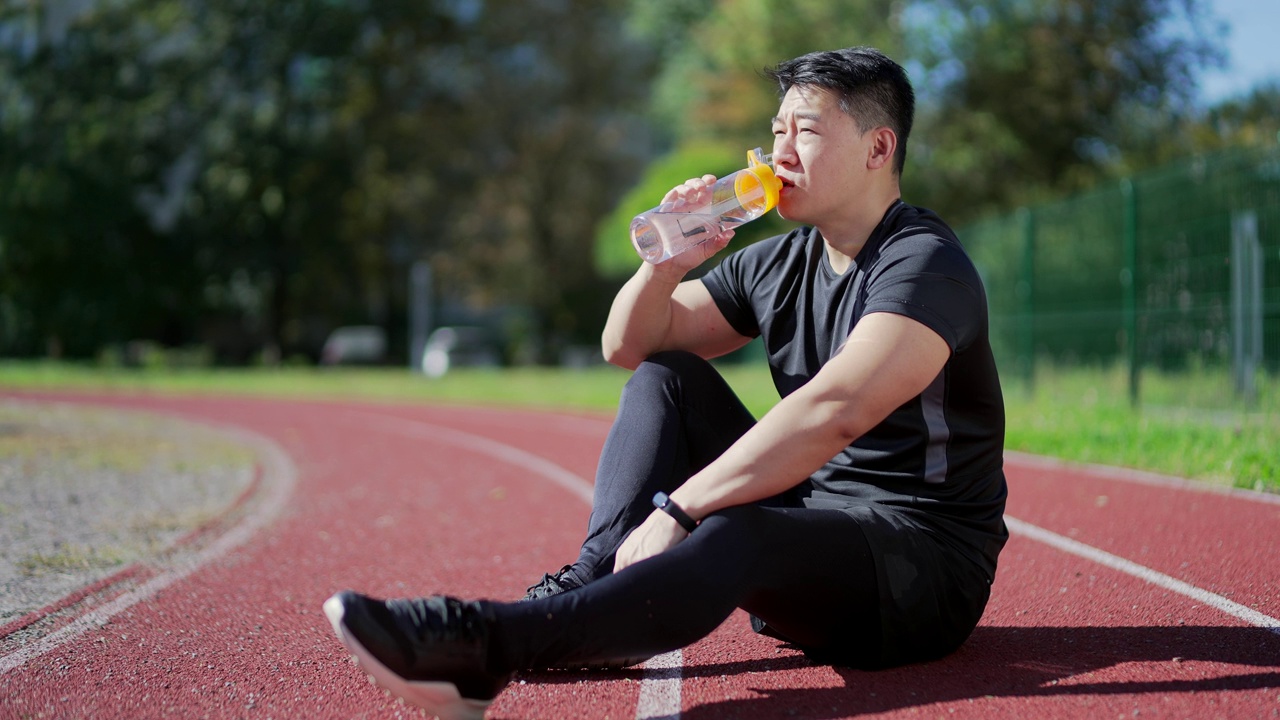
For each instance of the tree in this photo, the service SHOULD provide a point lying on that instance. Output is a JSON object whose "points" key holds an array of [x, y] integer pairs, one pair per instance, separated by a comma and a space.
{"points": [[559, 139], [711, 87], [1249, 121], [333, 149], [83, 132], [281, 166], [1031, 97]]}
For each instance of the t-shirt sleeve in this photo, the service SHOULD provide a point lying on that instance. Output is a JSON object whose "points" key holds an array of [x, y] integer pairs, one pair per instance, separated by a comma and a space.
{"points": [[932, 282], [731, 284]]}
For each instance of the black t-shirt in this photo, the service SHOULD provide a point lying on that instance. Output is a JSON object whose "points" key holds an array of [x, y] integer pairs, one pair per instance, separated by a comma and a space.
{"points": [[936, 462]]}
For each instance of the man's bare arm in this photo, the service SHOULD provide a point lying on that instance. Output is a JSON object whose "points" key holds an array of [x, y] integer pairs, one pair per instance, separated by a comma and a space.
{"points": [[649, 315], [658, 310]]}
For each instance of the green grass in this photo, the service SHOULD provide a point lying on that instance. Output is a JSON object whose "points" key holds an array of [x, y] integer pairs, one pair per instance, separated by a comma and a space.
{"points": [[594, 388], [1190, 425], [1076, 415], [70, 559]]}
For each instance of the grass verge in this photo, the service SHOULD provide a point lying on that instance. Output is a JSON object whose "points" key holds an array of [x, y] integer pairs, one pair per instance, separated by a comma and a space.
{"points": [[1077, 415]]}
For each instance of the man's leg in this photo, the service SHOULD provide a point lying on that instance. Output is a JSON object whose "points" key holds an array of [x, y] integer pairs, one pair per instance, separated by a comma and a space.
{"points": [[808, 572], [676, 415]]}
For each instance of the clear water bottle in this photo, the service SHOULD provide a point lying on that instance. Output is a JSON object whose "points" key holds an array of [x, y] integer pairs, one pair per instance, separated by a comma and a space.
{"points": [[673, 227]]}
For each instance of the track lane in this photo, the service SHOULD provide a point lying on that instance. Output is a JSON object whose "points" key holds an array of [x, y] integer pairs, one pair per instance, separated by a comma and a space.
{"points": [[1063, 637], [1225, 543], [378, 511]]}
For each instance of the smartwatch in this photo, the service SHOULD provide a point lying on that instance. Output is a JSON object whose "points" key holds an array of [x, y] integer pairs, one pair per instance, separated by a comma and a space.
{"points": [[663, 502]]}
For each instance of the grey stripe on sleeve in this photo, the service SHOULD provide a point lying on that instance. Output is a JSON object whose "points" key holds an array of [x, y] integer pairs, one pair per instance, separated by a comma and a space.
{"points": [[935, 459]]}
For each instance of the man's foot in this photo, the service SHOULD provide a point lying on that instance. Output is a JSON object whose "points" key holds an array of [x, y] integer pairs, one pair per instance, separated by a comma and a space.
{"points": [[429, 651], [564, 580]]}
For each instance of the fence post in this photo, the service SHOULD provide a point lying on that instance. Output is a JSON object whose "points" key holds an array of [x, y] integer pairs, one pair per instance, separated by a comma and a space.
{"points": [[1246, 304], [420, 311], [1129, 284], [1026, 296]]}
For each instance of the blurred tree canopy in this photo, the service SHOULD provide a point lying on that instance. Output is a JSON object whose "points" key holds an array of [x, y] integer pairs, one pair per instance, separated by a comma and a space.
{"points": [[1252, 120], [1024, 99], [250, 175], [247, 176]]}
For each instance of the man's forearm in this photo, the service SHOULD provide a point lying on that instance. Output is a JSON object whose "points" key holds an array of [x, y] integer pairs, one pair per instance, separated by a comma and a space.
{"points": [[640, 317], [790, 443]]}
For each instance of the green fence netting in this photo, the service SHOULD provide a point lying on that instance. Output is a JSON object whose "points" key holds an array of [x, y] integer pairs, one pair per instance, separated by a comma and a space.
{"points": [[1172, 274]]}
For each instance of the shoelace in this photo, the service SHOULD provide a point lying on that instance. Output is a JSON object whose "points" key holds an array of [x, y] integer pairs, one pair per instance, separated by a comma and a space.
{"points": [[549, 584]]}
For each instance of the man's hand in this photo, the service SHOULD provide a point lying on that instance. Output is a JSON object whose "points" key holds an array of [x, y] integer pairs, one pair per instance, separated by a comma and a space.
{"points": [[658, 533], [692, 194]]}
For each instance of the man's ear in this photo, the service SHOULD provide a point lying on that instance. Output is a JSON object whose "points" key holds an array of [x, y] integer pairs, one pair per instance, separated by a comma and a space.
{"points": [[884, 142]]}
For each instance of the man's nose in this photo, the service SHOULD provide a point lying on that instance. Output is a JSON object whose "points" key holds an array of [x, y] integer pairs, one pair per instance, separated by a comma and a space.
{"points": [[784, 149]]}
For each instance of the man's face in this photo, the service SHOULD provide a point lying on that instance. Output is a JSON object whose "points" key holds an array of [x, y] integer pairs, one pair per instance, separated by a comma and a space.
{"points": [[820, 156]]}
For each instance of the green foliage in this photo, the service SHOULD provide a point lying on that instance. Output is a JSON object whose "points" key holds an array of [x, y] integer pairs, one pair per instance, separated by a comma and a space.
{"points": [[710, 87], [1083, 415], [562, 145], [247, 175], [244, 176], [84, 131], [1046, 96], [1249, 121], [1019, 100]]}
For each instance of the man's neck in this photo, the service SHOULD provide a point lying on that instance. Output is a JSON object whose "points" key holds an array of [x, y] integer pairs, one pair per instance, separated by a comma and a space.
{"points": [[845, 240]]}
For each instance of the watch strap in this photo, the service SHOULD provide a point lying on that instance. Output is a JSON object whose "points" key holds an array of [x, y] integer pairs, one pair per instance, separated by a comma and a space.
{"points": [[663, 502]]}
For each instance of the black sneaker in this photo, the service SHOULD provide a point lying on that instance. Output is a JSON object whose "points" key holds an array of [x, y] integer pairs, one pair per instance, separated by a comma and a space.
{"points": [[563, 580], [429, 651]]}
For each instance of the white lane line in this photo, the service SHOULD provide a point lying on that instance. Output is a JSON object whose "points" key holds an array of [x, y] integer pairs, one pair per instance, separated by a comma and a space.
{"points": [[660, 686], [1142, 572], [486, 446], [660, 689], [278, 478]]}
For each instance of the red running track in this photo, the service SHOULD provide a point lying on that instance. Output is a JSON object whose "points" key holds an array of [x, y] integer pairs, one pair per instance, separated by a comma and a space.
{"points": [[1118, 595]]}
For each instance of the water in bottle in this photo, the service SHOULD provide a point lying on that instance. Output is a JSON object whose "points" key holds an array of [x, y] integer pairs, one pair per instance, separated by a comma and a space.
{"points": [[672, 228]]}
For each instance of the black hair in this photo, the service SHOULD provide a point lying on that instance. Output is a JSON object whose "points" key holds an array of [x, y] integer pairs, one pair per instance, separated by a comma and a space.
{"points": [[871, 88]]}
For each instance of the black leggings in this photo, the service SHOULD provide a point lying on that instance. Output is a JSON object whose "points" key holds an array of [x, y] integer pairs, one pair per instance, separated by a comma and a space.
{"points": [[807, 572]]}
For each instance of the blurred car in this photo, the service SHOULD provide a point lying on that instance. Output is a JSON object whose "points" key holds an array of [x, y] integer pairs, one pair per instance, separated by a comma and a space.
{"points": [[355, 345], [454, 347]]}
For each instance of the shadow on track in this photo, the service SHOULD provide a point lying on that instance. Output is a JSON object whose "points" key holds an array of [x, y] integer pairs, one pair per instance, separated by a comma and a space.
{"points": [[1003, 662], [1006, 662]]}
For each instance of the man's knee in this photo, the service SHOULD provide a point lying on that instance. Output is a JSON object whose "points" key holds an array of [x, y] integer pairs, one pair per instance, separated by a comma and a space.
{"points": [[668, 363], [665, 370]]}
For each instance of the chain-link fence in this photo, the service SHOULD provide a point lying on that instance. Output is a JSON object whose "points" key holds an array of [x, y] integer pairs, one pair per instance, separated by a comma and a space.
{"points": [[1172, 277]]}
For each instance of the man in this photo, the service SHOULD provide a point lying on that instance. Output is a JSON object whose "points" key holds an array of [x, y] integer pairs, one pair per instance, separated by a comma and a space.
{"points": [[860, 519]]}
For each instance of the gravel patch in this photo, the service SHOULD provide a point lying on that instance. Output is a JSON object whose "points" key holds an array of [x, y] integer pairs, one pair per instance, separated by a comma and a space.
{"points": [[86, 492]]}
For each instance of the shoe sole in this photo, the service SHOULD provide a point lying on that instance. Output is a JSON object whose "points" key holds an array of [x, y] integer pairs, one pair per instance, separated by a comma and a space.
{"points": [[438, 698], [601, 665]]}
